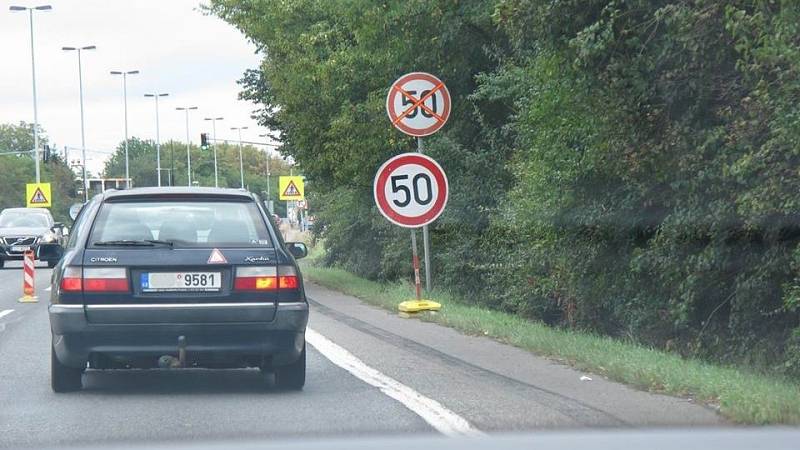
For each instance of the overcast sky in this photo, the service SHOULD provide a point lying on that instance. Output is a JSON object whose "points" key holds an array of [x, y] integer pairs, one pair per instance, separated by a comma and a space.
{"points": [[197, 59]]}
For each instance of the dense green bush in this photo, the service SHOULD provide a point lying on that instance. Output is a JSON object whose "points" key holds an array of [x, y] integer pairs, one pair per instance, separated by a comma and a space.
{"points": [[628, 167]]}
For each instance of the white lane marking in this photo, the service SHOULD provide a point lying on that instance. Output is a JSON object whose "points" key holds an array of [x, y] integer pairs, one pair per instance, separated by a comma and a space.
{"points": [[439, 417], [48, 288], [5, 312]]}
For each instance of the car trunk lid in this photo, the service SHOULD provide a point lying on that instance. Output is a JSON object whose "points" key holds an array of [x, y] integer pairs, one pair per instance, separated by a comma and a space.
{"points": [[160, 284]]}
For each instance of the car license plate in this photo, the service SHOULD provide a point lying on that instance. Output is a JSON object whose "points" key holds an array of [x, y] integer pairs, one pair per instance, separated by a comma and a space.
{"points": [[20, 248], [181, 281]]}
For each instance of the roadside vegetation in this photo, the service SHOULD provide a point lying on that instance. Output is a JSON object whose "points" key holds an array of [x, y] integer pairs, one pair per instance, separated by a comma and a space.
{"points": [[738, 394], [19, 169], [627, 169], [142, 156]]}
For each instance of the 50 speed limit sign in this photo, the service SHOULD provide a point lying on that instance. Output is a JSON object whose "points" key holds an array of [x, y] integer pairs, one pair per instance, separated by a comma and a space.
{"points": [[418, 104], [410, 190]]}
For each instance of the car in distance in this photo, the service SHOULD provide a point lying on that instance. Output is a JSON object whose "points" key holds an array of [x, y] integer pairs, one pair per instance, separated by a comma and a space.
{"points": [[23, 229], [177, 277]]}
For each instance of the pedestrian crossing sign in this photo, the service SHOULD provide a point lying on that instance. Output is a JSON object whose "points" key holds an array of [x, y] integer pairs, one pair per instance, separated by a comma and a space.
{"points": [[291, 188], [38, 195]]}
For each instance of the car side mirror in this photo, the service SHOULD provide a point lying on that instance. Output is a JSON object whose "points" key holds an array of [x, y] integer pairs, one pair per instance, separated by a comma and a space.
{"points": [[74, 210], [297, 249], [50, 252]]}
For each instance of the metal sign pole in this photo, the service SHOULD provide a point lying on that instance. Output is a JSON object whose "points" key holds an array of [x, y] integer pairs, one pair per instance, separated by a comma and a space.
{"points": [[415, 263], [426, 242]]}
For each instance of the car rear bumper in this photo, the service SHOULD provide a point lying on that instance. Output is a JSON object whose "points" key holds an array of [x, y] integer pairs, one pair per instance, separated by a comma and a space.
{"points": [[280, 340]]}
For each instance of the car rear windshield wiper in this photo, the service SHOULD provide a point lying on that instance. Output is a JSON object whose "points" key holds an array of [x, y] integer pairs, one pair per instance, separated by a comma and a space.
{"points": [[134, 243]]}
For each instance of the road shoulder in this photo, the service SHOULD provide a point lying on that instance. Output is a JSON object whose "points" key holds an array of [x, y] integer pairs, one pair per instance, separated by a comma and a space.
{"points": [[468, 373]]}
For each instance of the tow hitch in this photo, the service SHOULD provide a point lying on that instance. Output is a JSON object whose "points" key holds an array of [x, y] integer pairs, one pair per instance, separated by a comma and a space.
{"points": [[170, 362], [182, 350]]}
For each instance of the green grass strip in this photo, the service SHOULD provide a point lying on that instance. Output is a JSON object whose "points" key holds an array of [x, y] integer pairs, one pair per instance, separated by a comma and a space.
{"points": [[741, 395]]}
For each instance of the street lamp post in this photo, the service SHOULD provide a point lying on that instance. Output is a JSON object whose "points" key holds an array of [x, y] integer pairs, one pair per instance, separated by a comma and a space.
{"points": [[266, 152], [241, 162], [33, 78], [214, 145], [158, 136], [83, 128], [125, 99], [186, 109]]}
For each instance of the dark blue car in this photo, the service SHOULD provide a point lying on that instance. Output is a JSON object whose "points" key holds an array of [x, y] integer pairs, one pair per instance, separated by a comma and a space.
{"points": [[177, 277]]}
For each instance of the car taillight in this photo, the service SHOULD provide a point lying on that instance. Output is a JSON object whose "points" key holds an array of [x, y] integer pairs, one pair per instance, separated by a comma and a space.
{"points": [[72, 280], [287, 278], [287, 282], [259, 278], [105, 279]]}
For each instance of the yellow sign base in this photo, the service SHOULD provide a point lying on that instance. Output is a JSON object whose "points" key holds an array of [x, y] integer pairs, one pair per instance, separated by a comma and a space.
{"points": [[28, 299], [413, 306]]}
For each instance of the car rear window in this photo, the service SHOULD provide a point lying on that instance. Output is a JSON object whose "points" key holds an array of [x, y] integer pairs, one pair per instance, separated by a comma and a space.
{"points": [[23, 219], [210, 223]]}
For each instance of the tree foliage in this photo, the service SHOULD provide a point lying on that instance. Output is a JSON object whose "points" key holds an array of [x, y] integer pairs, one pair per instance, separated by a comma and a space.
{"points": [[142, 156], [19, 170], [628, 167]]}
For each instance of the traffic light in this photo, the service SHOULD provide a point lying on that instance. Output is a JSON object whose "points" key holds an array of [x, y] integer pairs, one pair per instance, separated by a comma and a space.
{"points": [[46, 153], [204, 140]]}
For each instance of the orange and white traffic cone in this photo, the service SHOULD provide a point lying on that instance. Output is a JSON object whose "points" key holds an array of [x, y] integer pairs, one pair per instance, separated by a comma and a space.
{"points": [[28, 292]]}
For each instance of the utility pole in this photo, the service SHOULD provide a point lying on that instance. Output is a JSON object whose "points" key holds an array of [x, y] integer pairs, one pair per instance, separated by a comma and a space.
{"points": [[186, 109], [83, 128], [158, 136], [241, 162], [267, 157], [33, 80], [214, 145], [125, 102]]}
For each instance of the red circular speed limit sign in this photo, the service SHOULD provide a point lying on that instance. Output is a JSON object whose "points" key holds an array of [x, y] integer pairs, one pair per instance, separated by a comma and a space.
{"points": [[418, 104], [410, 190]]}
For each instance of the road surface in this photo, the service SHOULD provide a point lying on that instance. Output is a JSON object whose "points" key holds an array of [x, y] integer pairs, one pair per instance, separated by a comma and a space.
{"points": [[369, 373]]}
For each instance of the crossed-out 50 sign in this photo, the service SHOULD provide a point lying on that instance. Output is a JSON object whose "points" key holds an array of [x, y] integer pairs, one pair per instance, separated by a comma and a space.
{"points": [[418, 104], [410, 190]]}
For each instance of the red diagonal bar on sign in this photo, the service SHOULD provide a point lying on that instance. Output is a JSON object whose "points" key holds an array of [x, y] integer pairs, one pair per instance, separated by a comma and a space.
{"points": [[418, 103], [427, 96], [414, 106]]}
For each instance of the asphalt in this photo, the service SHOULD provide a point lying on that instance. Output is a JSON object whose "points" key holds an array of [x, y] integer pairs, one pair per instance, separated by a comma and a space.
{"points": [[492, 386]]}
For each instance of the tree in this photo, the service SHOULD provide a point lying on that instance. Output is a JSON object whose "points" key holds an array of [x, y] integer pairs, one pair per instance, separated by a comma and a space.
{"points": [[19, 138], [624, 167], [20, 169], [142, 166]]}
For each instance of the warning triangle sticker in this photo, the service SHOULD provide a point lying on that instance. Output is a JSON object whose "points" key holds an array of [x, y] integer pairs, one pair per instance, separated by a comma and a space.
{"points": [[217, 257], [38, 197], [291, 190]]}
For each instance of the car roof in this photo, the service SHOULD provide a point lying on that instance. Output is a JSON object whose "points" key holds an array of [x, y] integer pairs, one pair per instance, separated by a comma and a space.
{"points": [[176, 191], [30, 210]]}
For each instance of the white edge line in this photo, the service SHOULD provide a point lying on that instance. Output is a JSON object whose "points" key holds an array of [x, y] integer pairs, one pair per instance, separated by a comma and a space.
{"points": [[48, 288], [5, 312], [438, 416]]}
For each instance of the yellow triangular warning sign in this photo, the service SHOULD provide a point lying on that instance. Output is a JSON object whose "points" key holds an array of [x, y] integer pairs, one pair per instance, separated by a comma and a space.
{"points": [[291, 190], [38, 197]]}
